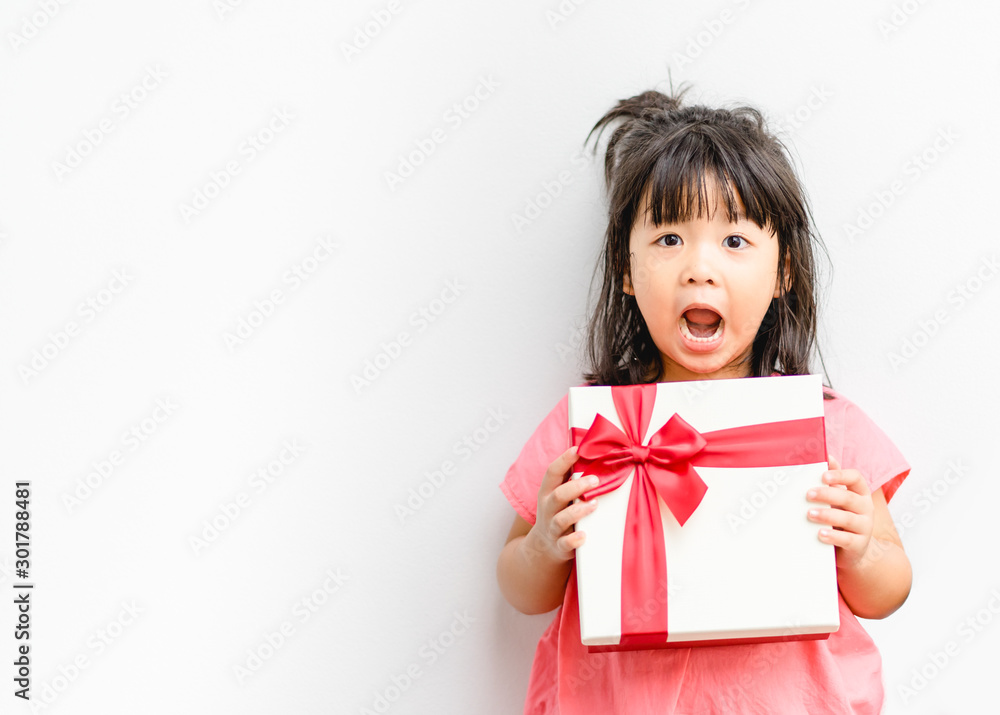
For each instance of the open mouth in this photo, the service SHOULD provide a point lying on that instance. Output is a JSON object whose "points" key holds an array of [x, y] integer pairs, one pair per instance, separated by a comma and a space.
{"points": [[701, 325]]}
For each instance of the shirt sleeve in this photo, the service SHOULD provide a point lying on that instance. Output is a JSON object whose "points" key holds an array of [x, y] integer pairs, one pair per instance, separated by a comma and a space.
{"points": [[523, 479], [869, 450]]}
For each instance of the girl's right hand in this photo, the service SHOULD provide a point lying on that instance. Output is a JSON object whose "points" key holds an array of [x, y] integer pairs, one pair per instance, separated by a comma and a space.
{"points": [[556, 513]]}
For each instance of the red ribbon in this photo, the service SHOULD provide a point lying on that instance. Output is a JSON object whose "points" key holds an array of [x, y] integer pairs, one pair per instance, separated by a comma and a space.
{"points": [[665, 467]]}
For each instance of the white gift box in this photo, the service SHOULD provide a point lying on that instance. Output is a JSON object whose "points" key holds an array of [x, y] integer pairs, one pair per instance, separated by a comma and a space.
{"points": [[747, 564]]}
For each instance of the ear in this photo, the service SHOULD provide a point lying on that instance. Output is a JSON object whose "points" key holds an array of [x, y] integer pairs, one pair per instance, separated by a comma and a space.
{"points": [[627, 284], [782, 285]]}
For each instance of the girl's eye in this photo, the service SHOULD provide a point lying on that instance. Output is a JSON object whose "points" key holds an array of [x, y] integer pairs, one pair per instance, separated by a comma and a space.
{"points": [[730, 241], [671, 239]]}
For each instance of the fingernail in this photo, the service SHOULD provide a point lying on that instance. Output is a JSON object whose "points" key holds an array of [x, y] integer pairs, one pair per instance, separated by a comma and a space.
{"points": [[813, 513], [811, 494], [593, 481]]}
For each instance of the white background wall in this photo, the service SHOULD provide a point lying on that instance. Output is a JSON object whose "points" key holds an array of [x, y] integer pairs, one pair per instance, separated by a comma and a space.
{"points": [[883, 78]]}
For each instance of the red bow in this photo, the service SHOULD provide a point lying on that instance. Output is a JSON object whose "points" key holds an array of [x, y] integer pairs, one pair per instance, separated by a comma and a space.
{"points": [[665, 461]]}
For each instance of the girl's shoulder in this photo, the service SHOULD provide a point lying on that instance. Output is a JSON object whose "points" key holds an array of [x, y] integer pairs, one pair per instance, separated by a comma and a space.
{"points": [[841, 410], [858, 442]]}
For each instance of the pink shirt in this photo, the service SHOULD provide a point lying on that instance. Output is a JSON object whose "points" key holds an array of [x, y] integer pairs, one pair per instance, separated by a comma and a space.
{"points": [[841, 674]]}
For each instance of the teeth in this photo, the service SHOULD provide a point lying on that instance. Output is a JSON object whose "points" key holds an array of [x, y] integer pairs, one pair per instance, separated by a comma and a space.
{"points": [[710, 338]]}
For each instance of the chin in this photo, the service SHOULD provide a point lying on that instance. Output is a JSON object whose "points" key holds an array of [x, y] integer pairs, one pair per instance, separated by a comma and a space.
{"points": [[705, 364]]}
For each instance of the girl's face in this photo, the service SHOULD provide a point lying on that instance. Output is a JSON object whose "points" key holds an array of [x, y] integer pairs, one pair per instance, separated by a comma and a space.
{"points": [[703, 287]]}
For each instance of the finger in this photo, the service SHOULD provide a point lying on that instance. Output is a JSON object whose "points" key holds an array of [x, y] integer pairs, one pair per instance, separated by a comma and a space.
{"points": [[558, 470], [838, 519], [834, 464], [841, 499], [569, 516], [574, 488], [567, 545], [850, 478], [843, 539], [559, 498]]}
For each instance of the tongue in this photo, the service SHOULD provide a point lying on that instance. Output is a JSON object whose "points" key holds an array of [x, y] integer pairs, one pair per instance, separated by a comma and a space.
{"points": [[701, 316], [701, 322]]}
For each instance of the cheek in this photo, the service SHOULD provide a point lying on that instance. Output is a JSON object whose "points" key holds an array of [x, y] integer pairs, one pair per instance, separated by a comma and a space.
{"points": [[751, 307], [654, 298], [651, 269], [640, 274], [658, 317], [654, 274]]}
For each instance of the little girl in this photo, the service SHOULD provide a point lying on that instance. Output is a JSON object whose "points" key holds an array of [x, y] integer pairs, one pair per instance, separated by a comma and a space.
{"points": [[708, 274]]}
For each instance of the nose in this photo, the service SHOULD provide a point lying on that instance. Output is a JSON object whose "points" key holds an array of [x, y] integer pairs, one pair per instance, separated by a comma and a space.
{"points": [[700, 267]]}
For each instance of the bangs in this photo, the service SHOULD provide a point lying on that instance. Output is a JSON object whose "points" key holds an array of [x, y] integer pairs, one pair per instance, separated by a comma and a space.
{"points": [[678, 186]]}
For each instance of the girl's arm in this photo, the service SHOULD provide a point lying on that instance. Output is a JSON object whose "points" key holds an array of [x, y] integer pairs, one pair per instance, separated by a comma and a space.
{"points": [[873, 571], [536, 561], [878, 583], [529, 579]]}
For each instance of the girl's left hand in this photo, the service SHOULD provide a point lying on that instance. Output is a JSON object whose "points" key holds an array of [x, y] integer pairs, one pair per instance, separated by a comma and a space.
{"points": [[851, 515]]}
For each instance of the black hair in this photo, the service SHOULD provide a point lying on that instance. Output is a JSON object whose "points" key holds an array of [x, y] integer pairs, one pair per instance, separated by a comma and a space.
{"points": [[667, 151]]}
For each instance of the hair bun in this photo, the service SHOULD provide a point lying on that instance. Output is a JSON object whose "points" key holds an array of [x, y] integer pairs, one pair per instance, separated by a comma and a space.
{"points": [[652, 101], [649, 106]]}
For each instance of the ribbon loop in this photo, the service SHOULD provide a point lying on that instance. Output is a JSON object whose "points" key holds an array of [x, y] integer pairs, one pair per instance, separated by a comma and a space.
{"points": [[665, 462]]}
